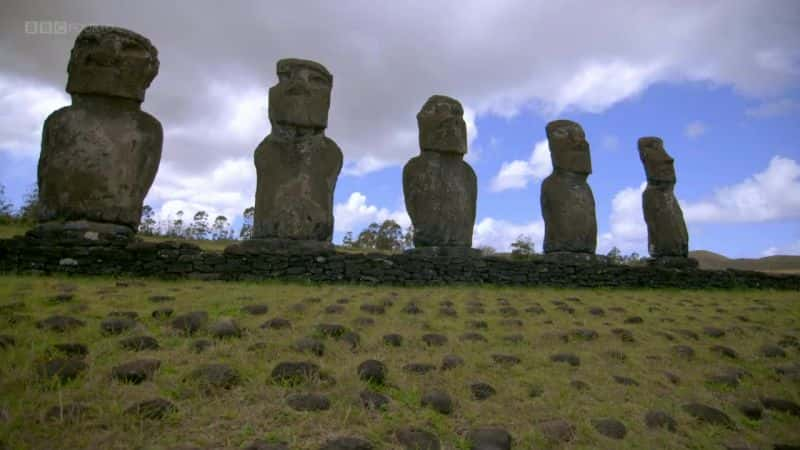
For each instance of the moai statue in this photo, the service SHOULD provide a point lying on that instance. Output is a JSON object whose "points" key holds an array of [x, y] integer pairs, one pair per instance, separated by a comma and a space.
{"points": [[440, 188], [570, 225], [667, 237], [100, 155], [296, 164]]}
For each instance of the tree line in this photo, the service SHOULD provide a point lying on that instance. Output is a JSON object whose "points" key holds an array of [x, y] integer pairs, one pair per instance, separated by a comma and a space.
{"points": [[196, 227], [387, 236]]}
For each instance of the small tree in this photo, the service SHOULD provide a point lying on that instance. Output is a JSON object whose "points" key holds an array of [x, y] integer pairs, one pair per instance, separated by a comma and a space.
{"points": [[523, 247], [615, 255], [199, 229], [408, 238], [219, 230], [247, 223], [347, 240], [175, 229], [29, 211], [390, 236], [368, 237], [147, 226], [6, 208]]}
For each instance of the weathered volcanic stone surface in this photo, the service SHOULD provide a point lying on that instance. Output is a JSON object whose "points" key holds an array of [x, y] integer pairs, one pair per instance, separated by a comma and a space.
{"points": [[308, 402], [65, 369], [438, 400], [100, 155], [215, 376], [136, 371], [60, 324], [570, 223], [417, 439], [293, 373], [489, 439], [705, 413], [296, 164], [666, 229], [347, 443], [440, 188], [660, 419]]}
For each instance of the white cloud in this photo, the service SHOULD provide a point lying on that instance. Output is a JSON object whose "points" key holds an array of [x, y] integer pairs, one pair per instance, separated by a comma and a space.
{"points": [[610, 142], [628, 230], [24, 105], [517, 174], [773, 194], [388, 58], [499, 234], [355, 214], [790, 249], [227, 190], [695, 129], [597, 86], [773, 108]]}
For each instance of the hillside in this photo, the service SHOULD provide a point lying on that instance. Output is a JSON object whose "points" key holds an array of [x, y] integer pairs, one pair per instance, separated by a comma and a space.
{"points": [[777, 263]]}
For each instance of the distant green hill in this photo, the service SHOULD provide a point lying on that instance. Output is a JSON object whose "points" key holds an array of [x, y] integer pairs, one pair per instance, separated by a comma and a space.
{"points": [[777, 263]]}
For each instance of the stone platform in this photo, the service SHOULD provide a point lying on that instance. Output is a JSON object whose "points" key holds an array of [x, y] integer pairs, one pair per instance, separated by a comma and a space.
{"points": [[37, 253]]}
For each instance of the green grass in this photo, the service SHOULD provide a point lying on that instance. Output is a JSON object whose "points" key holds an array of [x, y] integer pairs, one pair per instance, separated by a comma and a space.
{"points": [[257, 409], [10, 230]]}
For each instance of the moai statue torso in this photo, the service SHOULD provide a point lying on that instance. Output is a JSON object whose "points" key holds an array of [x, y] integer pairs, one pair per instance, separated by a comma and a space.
{"points": [[101, 154], [440, 188], [296, 164], [567, 202], [666, 230]]}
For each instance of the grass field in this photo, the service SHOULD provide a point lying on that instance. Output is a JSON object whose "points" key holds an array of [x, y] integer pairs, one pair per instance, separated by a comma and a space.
{"points": [[528, 393]]}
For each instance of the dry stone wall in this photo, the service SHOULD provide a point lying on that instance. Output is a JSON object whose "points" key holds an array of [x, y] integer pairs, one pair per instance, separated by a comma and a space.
{"points": [[184, 260]]}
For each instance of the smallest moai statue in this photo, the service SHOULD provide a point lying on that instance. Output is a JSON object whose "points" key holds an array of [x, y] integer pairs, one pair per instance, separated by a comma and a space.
{"points": [[100, 155], [570, 224], [667, 237]]}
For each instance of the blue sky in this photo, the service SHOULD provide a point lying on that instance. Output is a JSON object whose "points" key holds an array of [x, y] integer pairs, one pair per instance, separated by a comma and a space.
{"points": [[718, 81]]}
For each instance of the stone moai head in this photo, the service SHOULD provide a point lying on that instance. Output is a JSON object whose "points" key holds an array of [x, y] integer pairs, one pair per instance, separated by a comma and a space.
{"points": [[111, 61], [302, 96], [658, 165], [569, 149], [441, 125]]}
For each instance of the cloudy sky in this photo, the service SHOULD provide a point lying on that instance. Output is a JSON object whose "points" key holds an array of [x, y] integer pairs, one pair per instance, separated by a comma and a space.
{"points": [[719, 81]]}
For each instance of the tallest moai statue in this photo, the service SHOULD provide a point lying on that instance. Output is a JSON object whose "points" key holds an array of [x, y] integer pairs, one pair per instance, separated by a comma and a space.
{"points": [[296, 164], [101, 154]]}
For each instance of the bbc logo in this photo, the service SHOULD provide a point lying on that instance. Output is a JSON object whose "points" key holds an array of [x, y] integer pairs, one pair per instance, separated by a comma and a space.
{"points": [[51, 27]]}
